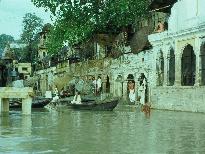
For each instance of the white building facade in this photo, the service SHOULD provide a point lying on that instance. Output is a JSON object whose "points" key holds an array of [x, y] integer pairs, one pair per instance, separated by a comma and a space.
{"points": [[179, 59]]}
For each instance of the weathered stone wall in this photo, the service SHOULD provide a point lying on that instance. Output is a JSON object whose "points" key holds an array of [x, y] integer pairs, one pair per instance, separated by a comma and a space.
{"points": [[179, 98]]}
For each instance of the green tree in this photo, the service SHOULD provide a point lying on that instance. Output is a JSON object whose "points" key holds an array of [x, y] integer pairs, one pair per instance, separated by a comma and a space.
{"points": [[32, 25], [77, 20], [4, 39]]}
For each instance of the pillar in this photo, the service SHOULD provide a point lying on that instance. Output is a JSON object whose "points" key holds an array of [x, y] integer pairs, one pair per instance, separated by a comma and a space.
{"points": [[197, 76], [198, 63], [1, 105], [124, 93], [4, 105], [166, 65], [112, 88], [178, 70], [155, 66], [26, 105], [104, 87]]}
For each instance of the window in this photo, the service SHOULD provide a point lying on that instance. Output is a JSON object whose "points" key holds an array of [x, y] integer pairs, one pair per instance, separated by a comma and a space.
{"points": [[24, 69]]}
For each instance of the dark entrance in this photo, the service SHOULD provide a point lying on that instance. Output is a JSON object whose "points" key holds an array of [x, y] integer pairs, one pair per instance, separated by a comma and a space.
{"points": [[188, 66]]}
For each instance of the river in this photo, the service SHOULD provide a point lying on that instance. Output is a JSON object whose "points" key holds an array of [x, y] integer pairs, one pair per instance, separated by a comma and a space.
{"points": [[117, 132]]}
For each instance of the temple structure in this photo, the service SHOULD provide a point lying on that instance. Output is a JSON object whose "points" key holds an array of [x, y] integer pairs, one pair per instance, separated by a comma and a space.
{"points": [[179, 59]]}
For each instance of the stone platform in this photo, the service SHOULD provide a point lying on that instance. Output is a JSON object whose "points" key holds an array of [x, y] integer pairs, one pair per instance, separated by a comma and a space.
{"points": [[25, 94]]}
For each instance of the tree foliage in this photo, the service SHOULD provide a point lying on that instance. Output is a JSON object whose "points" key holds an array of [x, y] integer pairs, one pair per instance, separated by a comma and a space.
{"points": [[4, 39], [77, 20], [32, 25]]}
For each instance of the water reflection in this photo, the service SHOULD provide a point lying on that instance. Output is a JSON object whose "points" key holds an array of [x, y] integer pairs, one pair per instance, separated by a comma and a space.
{"points": [[5, 119], [102, 132], [26, 125]]}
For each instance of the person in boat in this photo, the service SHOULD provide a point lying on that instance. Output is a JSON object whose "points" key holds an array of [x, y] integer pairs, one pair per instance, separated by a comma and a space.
{"points": [[77, 98]]}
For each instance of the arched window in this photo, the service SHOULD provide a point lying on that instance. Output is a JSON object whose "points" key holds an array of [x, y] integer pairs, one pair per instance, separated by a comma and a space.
{"points": [[202, 68], [171, 70], [160, 69], [188, 67]]}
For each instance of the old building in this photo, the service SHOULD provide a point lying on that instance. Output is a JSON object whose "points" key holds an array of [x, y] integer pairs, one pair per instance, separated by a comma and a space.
{"points": [[170, 58], [178, 59]]}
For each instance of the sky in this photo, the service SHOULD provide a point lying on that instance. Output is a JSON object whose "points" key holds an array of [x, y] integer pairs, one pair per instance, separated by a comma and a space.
{"points": [[12, 13]]}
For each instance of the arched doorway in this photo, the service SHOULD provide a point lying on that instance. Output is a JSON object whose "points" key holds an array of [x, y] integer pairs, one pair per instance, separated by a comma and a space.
{"points": [[160, 69], [188, 67], [202, 68], [171, 71]]}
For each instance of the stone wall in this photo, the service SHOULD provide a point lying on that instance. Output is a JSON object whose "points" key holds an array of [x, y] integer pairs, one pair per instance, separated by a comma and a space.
{"points": [[178, 98]]}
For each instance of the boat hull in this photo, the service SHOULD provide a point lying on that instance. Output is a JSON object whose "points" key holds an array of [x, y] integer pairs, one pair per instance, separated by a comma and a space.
{"points": [[104, 106], [35, 104]]}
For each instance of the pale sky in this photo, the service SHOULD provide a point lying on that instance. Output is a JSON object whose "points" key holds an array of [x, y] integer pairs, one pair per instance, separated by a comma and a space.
{"points": [[12, 13]]}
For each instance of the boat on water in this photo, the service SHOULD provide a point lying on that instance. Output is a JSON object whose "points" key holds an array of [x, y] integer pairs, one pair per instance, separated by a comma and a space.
{"points": [[104, 105], [36, 103], [86, 104]]}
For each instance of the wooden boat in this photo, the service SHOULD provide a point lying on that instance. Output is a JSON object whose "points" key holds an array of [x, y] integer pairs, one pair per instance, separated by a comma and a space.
{"points": [[106, 105], [37, 103]]}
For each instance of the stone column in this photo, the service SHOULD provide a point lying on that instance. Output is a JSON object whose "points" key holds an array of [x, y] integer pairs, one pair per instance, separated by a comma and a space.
{"points": [[124, 93], [4, 105], [104, 87], [197, 75], [111, 88], [1, 105], [104, 82], [178, 70], [166, 65], [155, 65], [26, 105], [198, 63]]}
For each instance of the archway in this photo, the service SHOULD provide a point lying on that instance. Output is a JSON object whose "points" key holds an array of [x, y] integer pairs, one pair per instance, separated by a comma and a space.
{"points": [[202, 67], [171, 71], [188, 67]]}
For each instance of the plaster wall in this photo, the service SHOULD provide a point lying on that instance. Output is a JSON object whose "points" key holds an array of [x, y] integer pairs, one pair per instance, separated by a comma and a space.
{"points": [[179, 98]]}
